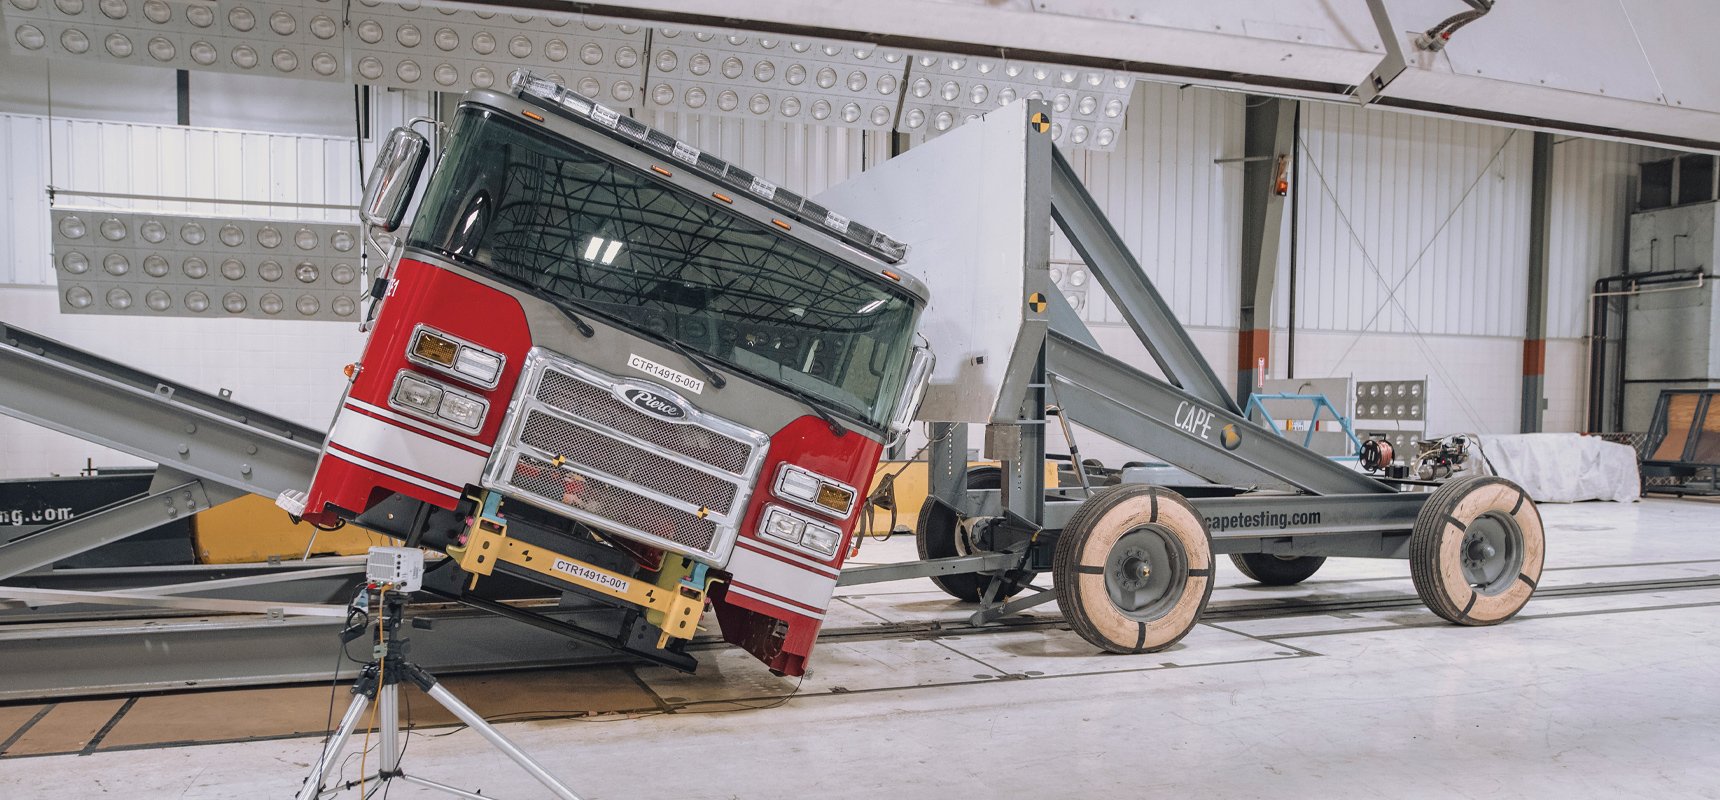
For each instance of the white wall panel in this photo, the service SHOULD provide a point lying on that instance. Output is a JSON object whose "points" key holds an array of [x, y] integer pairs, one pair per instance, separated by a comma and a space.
{"points": [[1594, 189], [1178, 211], [1474, 383], [1411, 224], [24, 213]]}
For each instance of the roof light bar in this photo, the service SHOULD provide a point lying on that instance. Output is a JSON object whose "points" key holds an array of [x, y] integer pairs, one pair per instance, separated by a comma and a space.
{"points": [[589, 112]]}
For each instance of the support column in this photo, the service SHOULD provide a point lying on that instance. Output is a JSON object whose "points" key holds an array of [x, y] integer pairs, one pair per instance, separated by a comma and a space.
{"points": [[1535, 333], [1269, 139]]}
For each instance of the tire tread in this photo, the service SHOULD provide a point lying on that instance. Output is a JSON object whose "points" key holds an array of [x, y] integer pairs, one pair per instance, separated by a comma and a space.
{"points": [[1065, 563]]}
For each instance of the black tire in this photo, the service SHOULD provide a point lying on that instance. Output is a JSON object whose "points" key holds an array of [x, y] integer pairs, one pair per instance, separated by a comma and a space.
{"points": [[935, 537], [1133, 568], [1277, 570], [1477, 550]]}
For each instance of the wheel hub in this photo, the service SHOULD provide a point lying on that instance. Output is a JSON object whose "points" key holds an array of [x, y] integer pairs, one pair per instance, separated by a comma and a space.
{"points": [[1491, 552], [1136, 569], [1143, 573]]}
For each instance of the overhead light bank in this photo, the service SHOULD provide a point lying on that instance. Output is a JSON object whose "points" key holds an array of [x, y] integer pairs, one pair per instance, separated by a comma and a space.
{"points": [[163, 265], [732, 73], [405, 44], [298, 39], [1087, 106]]}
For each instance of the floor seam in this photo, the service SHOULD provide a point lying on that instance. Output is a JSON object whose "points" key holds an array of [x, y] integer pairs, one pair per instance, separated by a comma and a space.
{"points": [[96, 740], [1264, 640], [1519, 618], [25, 728]]}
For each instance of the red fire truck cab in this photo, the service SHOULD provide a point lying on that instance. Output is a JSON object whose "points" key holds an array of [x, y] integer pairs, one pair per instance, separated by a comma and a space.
{"points": [[605, 362]]}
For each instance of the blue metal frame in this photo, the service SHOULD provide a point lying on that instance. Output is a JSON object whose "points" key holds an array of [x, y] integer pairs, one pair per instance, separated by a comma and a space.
{"points": [[1320, 402]]}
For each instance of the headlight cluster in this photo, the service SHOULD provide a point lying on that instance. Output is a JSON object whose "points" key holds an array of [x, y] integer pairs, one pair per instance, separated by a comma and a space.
{"points": [[437, 401], [422, 397], [464, 360], [814, 491], [799, 529], [804, 487]]}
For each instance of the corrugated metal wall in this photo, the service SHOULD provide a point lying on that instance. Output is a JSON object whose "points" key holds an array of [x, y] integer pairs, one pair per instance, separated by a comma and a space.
{"points": [[164, 160], [1178, 211], [169, 160], [24, 254], [1594, 190], [1411, 224], [1438, 208]]}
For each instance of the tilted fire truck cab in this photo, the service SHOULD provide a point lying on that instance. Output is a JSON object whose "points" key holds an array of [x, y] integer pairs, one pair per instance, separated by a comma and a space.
{"points": [[611, 364]]}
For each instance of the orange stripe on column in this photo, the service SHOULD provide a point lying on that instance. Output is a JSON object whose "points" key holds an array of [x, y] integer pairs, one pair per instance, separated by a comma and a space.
{"points": [[1534, 356], [1251, 345]]}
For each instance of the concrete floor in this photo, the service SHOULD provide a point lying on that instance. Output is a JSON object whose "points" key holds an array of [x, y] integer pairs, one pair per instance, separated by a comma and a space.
{"points": [[1585, 694]]}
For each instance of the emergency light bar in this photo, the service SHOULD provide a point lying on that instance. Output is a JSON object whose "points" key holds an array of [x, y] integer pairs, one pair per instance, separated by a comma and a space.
{"points": [[591, 113]]}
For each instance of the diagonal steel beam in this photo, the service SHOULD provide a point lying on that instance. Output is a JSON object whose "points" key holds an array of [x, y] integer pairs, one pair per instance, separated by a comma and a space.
{"points": [[1125, 404], [1081, 219], [154, 600], [81, 394], [173, 495]]}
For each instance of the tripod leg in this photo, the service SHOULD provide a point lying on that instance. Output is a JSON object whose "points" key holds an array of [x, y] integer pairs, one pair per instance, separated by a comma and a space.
{"points": [[388, 707], [496, 739], [337, 742]]}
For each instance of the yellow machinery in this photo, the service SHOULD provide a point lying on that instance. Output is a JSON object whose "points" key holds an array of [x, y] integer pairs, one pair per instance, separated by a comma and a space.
{"points": [[673, 602]]}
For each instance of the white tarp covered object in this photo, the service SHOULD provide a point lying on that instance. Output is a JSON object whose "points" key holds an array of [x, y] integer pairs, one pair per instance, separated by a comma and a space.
{"points": [[1566, 467]]}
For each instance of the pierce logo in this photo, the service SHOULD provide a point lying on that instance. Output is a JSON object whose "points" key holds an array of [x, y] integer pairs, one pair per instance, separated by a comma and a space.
{"points": [[653, 403]]}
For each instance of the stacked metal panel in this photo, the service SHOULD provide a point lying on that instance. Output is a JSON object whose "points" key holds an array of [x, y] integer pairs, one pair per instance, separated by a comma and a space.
{"points": [[406, 44], [163, 265], [1402, 404]]}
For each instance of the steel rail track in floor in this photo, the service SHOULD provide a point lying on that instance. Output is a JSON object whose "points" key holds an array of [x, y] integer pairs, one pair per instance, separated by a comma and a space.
{"points": [[104, 658]]}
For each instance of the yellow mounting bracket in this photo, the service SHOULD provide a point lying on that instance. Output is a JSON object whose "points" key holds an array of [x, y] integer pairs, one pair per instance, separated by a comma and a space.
{"points": [[673, 599]]}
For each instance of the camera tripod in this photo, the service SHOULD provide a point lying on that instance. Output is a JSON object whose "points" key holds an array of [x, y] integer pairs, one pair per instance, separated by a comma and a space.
{"points": [[379, 682]]}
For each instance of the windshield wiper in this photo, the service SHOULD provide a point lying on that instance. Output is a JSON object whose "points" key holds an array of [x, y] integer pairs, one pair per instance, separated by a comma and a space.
{"points": [[716, 378], [566, 310], [810, 401]]}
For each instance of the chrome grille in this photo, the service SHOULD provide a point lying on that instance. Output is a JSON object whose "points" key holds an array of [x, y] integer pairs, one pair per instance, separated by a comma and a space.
{"points": [[600, 498], [612, 456], [597, 405], [572, 446]]}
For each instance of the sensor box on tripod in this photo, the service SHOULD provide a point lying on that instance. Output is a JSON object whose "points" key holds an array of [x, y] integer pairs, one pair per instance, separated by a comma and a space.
{"points": [[401, 566]]}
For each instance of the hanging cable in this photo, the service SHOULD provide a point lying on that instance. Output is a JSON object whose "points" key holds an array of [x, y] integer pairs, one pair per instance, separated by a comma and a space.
{"points": [[884, 496], [1434, 38]]}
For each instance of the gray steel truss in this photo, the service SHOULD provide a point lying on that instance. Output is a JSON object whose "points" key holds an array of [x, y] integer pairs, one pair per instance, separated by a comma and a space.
{"points": [[202, 435], [172, 495], [210, 448], [1128, 405], [1269, 494], [1078, 215]]}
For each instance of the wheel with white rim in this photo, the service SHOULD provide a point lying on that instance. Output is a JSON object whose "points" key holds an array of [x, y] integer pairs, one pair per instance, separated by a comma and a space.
{"points": [[1477, 550], [1133, 568], [1274, 570]]}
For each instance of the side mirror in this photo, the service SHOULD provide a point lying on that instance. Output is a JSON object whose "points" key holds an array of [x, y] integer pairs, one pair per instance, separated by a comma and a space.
{"points": [[389, 187], [913, 392]]}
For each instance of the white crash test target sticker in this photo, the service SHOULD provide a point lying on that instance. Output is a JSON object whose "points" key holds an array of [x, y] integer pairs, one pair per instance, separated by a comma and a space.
{"points": [[660, 372]]}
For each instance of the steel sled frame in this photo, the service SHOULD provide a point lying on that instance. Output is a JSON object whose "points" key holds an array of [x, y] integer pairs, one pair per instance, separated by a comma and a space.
{"points": [[1267, 495]]}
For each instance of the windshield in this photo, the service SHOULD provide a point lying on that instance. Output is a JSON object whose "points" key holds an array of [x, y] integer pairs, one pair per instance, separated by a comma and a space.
{"points": [[555, 217]]}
